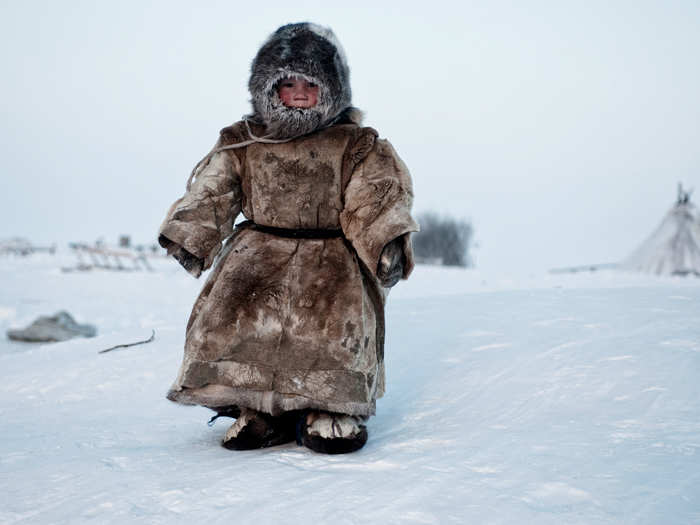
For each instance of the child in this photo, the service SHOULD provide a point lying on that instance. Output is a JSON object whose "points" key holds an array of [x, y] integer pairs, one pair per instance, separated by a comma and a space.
{"points": [[287, 334]]}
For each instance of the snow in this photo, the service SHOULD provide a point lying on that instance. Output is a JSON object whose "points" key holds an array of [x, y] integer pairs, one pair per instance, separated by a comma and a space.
{"points": [[527, 399]]}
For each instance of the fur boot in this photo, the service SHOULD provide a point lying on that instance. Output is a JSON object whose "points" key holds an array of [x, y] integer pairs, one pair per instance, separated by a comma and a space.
{"points": [[331, 433], [253, 429]]}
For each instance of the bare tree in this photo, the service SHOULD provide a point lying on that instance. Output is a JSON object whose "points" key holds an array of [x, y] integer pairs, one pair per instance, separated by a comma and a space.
{"points": [[443, 239]]}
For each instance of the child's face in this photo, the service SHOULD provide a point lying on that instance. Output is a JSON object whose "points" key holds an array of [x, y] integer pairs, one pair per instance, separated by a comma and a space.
{"points": [[298, 93]]}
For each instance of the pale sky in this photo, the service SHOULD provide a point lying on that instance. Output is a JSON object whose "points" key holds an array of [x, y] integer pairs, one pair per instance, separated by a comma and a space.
{"points": [[559, 128]]}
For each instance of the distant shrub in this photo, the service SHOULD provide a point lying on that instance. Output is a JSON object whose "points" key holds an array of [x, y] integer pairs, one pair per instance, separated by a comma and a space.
{"points": [[443, 240]]}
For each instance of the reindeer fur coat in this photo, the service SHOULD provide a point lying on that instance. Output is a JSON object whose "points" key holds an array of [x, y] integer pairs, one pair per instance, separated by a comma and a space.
{"points": [[286, 323]]}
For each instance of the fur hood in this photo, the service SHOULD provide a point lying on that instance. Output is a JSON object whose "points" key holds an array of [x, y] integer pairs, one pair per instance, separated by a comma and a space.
{"points": [[307, 51]]}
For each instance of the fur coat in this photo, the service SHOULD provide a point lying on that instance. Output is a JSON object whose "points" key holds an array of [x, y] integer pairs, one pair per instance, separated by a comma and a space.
{"points": [[286, 323]]}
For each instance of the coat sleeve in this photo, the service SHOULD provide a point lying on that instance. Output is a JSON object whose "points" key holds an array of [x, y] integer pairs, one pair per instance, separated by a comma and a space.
{"points": [[198, 222], [377, 209]]}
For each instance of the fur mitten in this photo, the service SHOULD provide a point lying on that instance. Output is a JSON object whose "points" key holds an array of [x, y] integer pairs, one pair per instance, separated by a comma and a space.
{"points": [[189, 262], [391, 263]]}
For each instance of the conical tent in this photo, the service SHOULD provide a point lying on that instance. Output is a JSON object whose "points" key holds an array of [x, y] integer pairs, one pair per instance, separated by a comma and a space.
{"points": [[674, 248]]}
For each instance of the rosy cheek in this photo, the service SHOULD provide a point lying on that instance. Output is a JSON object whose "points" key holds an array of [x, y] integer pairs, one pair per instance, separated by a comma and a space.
{"points": [[284, 95]]}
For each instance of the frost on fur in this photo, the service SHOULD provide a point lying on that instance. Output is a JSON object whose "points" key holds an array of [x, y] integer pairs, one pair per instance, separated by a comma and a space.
{"points": [[305, 51]]}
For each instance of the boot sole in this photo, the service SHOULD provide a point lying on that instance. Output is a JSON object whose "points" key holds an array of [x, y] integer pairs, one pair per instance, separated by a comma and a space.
{"points": [[335, 445]]}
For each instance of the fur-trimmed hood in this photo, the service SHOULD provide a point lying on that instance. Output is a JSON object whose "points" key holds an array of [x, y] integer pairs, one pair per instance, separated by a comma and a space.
{"points": [[307, 51]]}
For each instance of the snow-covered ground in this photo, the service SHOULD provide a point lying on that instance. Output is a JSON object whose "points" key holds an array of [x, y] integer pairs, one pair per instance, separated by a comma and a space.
{"points": [[537, 399]]}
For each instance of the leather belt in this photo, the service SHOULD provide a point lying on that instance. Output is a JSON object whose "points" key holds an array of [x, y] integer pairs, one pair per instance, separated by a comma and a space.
{"points": [[292, 233]]}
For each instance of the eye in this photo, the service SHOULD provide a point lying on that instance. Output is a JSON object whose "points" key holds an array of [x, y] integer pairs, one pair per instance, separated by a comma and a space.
{"points": [[287, 84], [313, 84]]}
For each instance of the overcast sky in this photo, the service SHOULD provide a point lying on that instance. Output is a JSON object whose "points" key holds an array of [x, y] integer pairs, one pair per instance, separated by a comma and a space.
{"points": [[559, 128]]}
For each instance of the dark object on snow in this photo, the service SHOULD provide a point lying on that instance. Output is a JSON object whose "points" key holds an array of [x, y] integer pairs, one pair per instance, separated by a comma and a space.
{"points": [[127, 345], [50, 329], [443, 240]]}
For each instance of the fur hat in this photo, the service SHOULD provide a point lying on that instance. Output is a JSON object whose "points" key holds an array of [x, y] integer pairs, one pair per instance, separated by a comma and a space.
{"points": [[307, 51]]}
